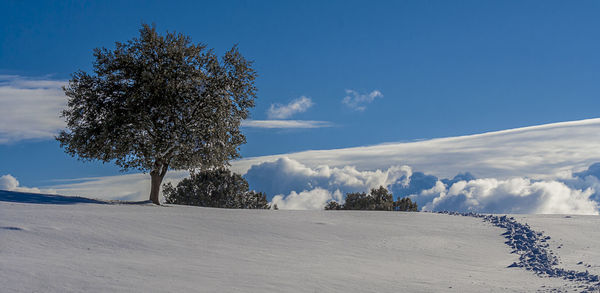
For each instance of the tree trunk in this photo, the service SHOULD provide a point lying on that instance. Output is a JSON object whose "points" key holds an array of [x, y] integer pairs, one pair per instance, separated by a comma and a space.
{"points": [[157, 176]]}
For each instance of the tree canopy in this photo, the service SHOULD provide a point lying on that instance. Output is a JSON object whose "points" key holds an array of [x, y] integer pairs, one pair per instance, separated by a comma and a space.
{"points": [[158, 102]]}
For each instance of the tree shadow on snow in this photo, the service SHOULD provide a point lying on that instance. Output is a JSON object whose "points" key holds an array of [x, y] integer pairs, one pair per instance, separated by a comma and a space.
{"points": [[36, 198]]}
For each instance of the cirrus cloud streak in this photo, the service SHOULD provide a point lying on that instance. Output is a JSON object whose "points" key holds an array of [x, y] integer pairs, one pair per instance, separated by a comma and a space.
{"points": [[30, 108], [286, 124]]}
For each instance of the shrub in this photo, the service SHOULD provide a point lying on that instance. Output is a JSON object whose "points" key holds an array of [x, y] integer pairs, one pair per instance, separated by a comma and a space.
{"points": [[333, 205], [405, 205], [251, 200], [378, 199], [383, 200], [358, 201], [218, 188]]}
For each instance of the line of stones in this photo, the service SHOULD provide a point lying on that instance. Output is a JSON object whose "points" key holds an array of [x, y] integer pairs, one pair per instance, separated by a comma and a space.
{"points": [[533, 250]]}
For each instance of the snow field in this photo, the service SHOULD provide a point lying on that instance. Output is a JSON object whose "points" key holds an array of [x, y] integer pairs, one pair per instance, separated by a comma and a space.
{"points": [[144, 248]]}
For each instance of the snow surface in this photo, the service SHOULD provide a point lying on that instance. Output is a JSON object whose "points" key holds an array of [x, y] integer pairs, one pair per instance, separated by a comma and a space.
{"points": [[61, 246], [575, 238]]}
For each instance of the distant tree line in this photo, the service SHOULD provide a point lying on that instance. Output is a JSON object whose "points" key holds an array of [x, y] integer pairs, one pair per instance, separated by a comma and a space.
{"points": [[217, 188], [378, 199]]}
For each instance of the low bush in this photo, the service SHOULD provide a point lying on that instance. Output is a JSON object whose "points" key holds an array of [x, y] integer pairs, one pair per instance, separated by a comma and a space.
{"points": [[378, 199], [218, 188]]}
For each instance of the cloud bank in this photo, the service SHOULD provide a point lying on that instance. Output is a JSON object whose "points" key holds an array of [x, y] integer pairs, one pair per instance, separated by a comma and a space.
{"points": [[535, 152], [297, 186], [286, 175], [516, 195], [279, 111], [30, 108], [305, 200], [357, 101]]}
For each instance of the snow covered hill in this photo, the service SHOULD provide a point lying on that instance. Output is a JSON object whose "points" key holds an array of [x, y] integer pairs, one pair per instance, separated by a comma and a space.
{"points": [[53, 244]]}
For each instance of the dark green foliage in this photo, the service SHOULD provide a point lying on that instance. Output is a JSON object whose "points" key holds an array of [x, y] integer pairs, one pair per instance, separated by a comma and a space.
{"points": [[358, 201], [405, 205], [250, 200], [378, 199], [217, 188], [383, 200], [333, 205], [159, 102]]}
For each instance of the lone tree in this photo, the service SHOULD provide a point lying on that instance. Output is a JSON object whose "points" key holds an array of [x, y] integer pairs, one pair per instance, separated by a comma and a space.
{"points": [[159, 102]]}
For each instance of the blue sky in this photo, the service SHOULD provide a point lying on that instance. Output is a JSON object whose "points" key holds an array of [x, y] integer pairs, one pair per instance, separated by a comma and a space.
{"points": [[433, 68]]}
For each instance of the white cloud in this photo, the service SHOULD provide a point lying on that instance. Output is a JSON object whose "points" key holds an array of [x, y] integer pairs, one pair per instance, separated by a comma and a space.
{"points": [[279, 111], [285, 175], [286, 124], [358, 101], [312, 188], [306, 200], [10, 183], [30, 108], [516, 195], [536, 152]]}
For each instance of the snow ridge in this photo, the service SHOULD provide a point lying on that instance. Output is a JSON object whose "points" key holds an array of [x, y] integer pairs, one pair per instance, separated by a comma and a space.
{"points": [[534, 252]]}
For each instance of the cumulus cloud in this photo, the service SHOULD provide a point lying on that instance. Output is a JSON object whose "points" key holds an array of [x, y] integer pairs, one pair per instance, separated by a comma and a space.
{"points": [[10, 183], [306, 200], [297, 186], [286, 124], [357, 101], [279, 111], [589, 178], [516, 195], [285, 175], [30, 108]]}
